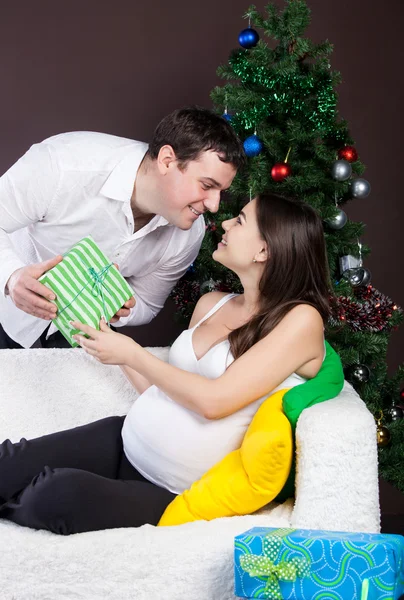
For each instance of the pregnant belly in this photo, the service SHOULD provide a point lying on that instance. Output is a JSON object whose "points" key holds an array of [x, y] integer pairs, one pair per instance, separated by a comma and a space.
{"points": [[161, 438]]}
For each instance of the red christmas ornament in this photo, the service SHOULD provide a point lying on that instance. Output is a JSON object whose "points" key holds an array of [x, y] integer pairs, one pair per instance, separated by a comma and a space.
{"points": [[348, 153], [280, 171]]}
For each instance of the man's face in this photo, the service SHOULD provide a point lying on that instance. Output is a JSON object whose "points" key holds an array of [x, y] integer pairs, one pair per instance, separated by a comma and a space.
{"points": [[187, 193]]}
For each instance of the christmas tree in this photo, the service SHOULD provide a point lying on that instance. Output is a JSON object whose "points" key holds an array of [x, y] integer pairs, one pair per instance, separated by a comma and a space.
{"points": [[280, 97]]}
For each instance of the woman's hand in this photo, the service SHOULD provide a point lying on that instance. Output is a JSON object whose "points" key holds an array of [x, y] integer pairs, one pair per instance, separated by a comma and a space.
{"points": [[107, 346]]}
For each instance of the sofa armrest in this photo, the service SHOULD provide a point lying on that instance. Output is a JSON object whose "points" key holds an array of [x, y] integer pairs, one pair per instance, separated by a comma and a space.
{"points": [[337, 468]]}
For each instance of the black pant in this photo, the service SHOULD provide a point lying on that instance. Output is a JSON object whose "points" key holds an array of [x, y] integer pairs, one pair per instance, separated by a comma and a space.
{"points": [[56, 340], [77, 480]]}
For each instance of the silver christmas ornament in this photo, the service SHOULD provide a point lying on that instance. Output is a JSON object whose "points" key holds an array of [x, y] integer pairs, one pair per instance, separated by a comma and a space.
{"points": [[360, 188], [367, 276], [338, 221], [358, 374], [341, 170], [395, 413], [348, 262], [358, 277], [207, 286]]}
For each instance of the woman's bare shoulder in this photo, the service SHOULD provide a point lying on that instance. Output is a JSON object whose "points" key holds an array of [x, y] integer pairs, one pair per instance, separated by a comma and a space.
{"points": [[306, 315], [204, 304], [303, 324]]}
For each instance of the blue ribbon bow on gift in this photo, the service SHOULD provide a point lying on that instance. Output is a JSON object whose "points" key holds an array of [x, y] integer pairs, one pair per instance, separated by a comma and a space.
{"points": [[264, 566]]}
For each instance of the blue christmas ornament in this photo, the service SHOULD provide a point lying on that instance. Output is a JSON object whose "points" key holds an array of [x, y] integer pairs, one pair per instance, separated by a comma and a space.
{"points": [[248, 38], [252, 145], [226, 116]]}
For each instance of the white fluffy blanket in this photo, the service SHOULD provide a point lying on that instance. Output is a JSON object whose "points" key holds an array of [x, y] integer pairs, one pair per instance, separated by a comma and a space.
{"points": [[42, 391]]}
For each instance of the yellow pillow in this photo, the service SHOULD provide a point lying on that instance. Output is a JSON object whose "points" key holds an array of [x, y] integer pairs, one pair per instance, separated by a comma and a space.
{"points": [[246, 479]]}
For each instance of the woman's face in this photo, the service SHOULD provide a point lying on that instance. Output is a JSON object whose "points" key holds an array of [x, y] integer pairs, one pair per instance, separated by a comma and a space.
{"points": [[241, 243]]}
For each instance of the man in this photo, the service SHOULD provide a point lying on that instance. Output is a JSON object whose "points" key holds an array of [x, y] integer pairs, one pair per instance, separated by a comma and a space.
{"points": [[143, 206]]}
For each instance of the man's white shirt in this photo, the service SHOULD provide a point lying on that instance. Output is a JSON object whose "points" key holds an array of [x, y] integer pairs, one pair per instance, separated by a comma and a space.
{"points": [[77, 184]]}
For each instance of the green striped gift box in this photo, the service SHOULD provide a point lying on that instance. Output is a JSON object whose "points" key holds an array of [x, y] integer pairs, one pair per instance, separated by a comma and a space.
{"points": [[87, 286]]}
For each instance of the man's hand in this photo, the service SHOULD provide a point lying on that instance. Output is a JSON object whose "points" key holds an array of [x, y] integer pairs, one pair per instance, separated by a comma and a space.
{"points": [[125, 310], [28, 294], [107, 346]]}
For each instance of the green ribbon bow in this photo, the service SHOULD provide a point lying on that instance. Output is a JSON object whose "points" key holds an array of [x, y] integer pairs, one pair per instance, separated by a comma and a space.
{"points": [[264, 566], [98, 282], [97, 279]]}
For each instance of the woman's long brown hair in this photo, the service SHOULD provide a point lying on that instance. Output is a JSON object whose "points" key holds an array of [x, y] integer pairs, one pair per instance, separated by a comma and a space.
{"points": [[295, 273]]}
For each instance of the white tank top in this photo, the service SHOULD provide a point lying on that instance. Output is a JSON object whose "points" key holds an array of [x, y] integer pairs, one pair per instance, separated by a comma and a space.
{"points": [[172, 446]]}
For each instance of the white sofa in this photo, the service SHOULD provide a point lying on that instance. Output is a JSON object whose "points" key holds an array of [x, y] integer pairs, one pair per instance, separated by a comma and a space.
{"points": [[42, 391]]}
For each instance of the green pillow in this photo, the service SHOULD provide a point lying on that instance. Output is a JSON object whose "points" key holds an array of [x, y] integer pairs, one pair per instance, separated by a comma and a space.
{"points": [[327, 384]]}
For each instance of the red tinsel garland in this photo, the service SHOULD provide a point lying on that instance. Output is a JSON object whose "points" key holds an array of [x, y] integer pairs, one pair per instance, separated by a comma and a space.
{"points": [[370, 311]]}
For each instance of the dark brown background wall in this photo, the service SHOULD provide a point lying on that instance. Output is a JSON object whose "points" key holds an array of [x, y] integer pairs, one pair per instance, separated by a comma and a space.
{"points": [[120, 66]]}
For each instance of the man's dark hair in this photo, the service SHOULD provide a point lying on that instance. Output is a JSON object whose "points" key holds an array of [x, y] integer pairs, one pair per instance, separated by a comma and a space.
{"points": [[192, 130]]}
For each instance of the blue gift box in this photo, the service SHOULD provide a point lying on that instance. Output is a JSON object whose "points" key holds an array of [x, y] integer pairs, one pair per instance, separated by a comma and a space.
{"points": [[302, 564]]}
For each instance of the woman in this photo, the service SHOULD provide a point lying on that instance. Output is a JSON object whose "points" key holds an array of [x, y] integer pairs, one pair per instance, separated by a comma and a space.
{"points": [[192, 411]]}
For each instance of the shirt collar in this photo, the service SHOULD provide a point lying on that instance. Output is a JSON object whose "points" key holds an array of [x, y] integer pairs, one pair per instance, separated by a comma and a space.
{"points": [[157, 221], [161, 221], [154, 223], [119, 185]]}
